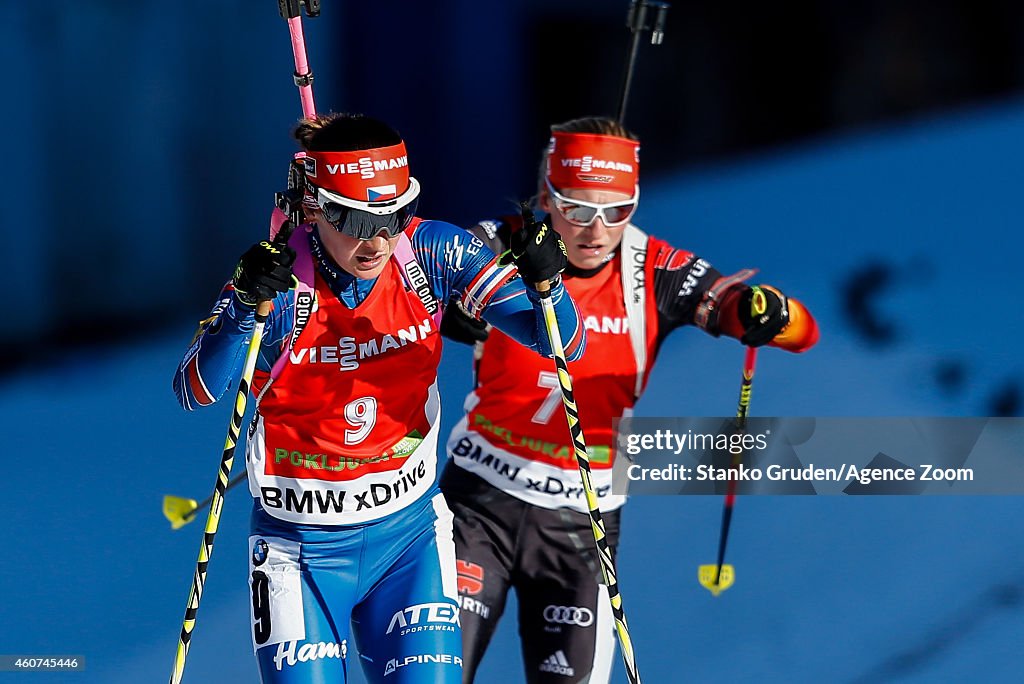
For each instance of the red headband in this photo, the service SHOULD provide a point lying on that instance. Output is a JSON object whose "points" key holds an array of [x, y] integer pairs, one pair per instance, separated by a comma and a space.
{"points": [[585, 160], [374, 175]]}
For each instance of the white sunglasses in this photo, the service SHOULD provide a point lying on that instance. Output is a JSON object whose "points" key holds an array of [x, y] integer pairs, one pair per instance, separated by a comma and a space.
{"points": [[581, 213]]}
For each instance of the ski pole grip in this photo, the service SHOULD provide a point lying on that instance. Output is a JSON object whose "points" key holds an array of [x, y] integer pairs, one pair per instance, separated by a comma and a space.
{"points": [[543, 288], [638, 18], [285, 234], [658, 31], [290, 9]]}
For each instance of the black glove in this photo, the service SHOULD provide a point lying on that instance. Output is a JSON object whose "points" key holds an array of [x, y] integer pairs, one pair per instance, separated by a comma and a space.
{"points": [[263, 271], [458, 325], [763, 312], [536, 249]]}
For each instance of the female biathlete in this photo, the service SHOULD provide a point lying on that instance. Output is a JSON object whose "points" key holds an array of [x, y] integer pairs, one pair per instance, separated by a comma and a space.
{"points": [[520, 512], [348, 526]]}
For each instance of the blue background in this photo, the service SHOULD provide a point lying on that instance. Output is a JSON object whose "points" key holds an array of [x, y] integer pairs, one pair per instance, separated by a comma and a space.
{"points": [[828, 588]]}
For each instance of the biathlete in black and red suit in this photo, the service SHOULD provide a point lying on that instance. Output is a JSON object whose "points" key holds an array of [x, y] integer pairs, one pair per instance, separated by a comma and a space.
{"points": [[520, 512]]}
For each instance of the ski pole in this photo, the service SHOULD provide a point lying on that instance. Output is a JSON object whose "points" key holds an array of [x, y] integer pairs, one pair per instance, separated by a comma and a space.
{"points": [[248, 368], [181, 511], [583, 461], [220, 487], [719, 577], [291, 11], [636, 21]]}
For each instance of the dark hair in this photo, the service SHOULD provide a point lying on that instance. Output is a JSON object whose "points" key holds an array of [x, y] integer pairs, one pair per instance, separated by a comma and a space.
{"points": [[337, 132], [596, 125]]}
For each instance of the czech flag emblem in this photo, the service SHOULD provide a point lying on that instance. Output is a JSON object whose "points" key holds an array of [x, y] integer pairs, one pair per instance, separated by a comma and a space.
{"points": [[380, 193]]}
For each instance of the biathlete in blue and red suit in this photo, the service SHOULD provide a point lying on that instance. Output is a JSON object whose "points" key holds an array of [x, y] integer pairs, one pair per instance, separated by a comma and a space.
{"points": [[348, 526], [520, 512]]}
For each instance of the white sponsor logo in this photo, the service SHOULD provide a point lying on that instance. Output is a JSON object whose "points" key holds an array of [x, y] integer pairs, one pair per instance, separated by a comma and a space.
{"points": [[587, 163], [445, 658], [607, 324], [556, 663], [437, 616], [453, 252], [490, 228], [699, 268], [350, 351], [365, 167], [569, 615], [474, 606], [288, 655]]}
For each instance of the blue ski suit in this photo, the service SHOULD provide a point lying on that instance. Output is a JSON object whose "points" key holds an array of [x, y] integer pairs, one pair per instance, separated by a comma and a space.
{"points": [[350, 535]]}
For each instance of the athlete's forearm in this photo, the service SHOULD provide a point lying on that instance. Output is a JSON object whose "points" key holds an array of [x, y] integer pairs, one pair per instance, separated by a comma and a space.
{"points": [[516, 311], [682, 281], [214, 360], [461, 264]]}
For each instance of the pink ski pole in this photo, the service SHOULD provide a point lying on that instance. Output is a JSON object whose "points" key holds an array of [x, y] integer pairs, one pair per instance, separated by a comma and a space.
{"points": [[291, 11]]}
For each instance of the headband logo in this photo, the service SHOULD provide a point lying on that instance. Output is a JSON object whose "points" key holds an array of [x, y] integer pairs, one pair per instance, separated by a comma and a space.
{"points": [[587, 164], [367, 167]]}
